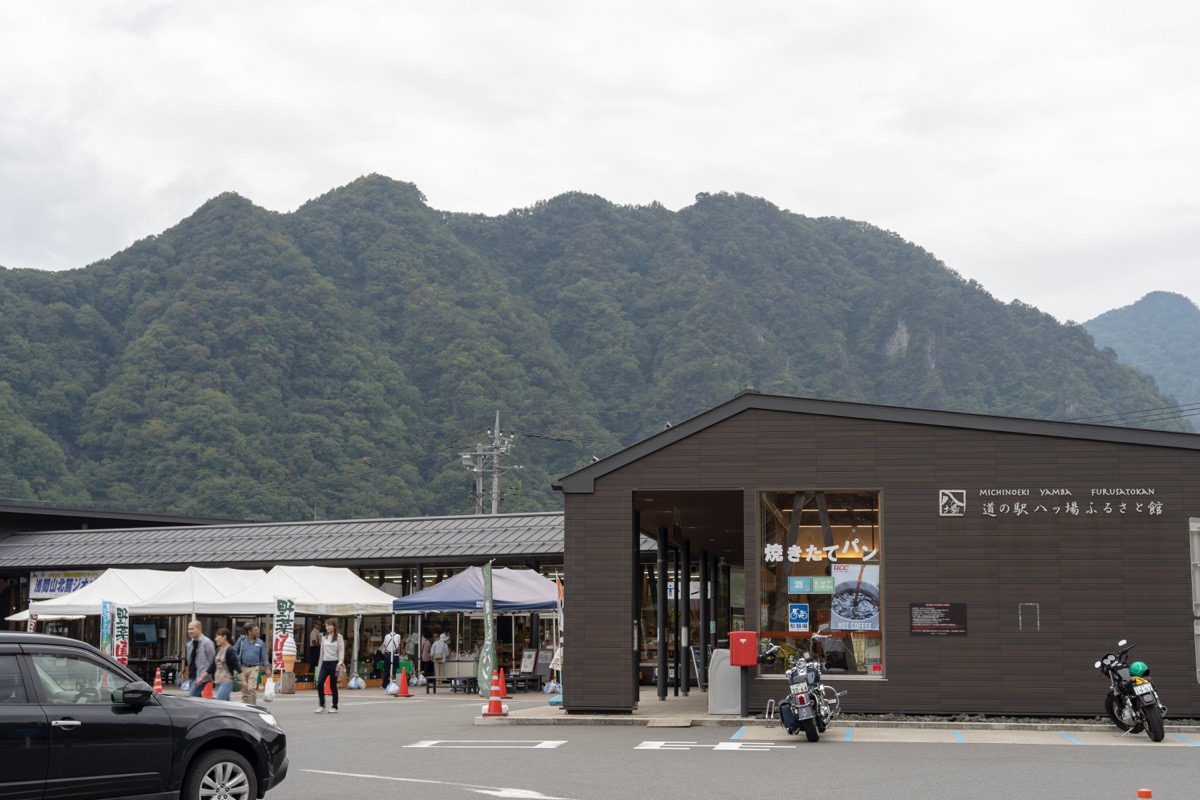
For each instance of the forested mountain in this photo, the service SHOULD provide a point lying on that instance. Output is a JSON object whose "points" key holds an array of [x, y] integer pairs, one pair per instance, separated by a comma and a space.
{"points": [[333, 362], [1160, 335]]}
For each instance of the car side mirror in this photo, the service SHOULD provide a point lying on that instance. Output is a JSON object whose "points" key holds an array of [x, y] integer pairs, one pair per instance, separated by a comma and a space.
{"points": [[135, 694]]}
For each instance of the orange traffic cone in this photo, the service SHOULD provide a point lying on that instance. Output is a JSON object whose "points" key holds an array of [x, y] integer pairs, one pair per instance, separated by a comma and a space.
{"points": [[503, 686], [1145, 793], [208, 690], [494, 707], [158, 681], [404, 683]]}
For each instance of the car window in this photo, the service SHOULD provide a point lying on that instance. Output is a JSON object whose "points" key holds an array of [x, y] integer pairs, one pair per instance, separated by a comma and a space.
{"points": [[12, 688], [70, 679]]}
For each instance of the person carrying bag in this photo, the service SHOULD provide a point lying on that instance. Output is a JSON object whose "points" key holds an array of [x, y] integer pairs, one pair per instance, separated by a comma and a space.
{"points": [[252, 654]]}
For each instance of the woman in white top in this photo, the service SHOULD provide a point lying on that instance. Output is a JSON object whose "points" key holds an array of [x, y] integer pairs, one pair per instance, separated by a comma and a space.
{"points": [[333, 655]]}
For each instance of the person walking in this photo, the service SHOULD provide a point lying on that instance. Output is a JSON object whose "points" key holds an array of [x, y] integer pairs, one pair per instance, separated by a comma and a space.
{"points": [[225, 667], [314, 645], [252, 654], [392, 643], [440, 652], [333, 655], [426, 657], [201, 655]]}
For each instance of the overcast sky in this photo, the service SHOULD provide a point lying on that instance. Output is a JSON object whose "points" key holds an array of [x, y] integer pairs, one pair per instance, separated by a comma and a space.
{"points": [[1050, 151]]}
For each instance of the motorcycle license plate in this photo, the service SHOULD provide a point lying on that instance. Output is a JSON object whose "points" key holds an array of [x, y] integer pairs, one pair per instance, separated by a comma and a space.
{"points": [[799, 688], [1143, 688]]}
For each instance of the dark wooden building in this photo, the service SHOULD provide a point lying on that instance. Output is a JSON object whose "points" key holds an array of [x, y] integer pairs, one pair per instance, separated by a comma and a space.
{"points": [[963, 563]]}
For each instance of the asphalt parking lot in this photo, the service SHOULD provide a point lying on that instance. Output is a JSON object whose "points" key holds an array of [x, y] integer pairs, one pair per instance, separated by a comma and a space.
{"points": [[432, 744]]}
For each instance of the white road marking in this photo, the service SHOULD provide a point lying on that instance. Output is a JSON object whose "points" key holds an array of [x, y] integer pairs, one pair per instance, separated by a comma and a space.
{"points": [[759, 746], [489, 744], [494, 791], [669, 745]]}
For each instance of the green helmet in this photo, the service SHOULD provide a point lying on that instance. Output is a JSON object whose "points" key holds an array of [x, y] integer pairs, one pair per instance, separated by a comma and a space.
{"points": [[1138, 668]]}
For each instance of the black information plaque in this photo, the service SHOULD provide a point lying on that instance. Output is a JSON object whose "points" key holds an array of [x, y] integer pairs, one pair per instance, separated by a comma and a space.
{"points": [[937, 619]]}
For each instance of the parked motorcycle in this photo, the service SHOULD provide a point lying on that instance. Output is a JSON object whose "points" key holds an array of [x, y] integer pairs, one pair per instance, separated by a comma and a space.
{"points": [[1132, 703], [810, 705]]}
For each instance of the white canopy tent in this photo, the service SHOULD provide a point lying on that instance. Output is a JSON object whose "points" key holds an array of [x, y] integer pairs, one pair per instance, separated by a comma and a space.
{"points": [[197, 585], [124, 587], [331, 591]]}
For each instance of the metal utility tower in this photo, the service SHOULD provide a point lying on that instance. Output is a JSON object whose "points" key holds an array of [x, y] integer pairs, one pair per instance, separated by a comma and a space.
{"points": [[486, 458]]}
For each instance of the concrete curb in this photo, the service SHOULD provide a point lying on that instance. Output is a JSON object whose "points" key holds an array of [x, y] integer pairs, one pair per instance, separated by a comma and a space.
{"points": [[755, 722]]}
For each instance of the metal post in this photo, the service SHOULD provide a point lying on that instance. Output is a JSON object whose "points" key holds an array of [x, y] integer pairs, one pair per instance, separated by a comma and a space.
{"points": [[677, 661], [714, 592], [661, 614], [685, 591]]}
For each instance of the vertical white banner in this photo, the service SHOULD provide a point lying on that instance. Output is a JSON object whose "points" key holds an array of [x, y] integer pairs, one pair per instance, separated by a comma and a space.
{"points": [[121, 635], [283, 642]]}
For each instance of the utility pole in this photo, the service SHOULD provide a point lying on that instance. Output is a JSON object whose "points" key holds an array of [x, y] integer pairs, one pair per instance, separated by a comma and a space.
{"points": [[486, 458]]}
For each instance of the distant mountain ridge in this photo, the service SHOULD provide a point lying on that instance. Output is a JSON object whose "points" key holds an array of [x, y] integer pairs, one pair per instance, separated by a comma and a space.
{"points": [[336, 361], [1160, 335]]}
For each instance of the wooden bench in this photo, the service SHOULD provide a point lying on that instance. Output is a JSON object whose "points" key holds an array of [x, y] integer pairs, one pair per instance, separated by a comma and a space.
{"points": [[466, 684]]}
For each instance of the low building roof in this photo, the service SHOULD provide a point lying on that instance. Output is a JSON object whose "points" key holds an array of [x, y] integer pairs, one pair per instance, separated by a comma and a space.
{"points": [[508, 538]]}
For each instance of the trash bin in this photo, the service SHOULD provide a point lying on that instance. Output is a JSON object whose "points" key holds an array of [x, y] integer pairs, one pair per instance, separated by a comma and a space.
{"points": [[724, 685]]}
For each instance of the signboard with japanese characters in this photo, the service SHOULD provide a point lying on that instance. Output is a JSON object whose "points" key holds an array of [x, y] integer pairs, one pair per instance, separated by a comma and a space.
{"points": [[121, 635], [937, 619], [799, 584], [797, 617], [106, 631], [1015, 503], [45, 584], [283, 643]]}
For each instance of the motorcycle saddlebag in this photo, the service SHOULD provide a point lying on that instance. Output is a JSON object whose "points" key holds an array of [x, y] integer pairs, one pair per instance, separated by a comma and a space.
{"points": [[787, 718]]}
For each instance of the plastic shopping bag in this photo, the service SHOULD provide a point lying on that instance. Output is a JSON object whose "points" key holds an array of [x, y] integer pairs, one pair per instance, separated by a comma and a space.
{"points": [[269, 689], [186, 686]]}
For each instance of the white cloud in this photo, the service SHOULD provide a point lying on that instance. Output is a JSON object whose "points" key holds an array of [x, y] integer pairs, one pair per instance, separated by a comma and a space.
{"points": [[1045, 150]]}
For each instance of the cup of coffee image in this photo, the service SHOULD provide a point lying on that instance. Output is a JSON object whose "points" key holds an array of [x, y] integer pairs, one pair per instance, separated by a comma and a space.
{"points": [[856, 605]]}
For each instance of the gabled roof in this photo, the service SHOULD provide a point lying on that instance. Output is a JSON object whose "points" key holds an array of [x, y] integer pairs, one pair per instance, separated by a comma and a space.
{"points": [[428, 540], [583, 481]]}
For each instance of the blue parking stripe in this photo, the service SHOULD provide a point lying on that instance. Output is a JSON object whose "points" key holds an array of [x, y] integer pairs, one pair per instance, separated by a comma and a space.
{"points": [[958, 737], [1071, 738], [740, 732], [1181, 737], [849, 735]]}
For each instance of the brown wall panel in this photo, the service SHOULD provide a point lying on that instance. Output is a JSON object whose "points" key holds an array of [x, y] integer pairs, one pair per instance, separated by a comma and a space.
{"points": [[1094, 578]]}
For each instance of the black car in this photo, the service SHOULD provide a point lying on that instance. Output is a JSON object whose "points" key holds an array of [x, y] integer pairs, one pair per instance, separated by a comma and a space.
{"points": [[75, 723]]}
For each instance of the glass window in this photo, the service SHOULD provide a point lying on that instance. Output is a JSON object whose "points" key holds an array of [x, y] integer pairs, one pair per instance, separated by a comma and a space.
{"points": [[820, 578], [69, 679], [12, 688]]}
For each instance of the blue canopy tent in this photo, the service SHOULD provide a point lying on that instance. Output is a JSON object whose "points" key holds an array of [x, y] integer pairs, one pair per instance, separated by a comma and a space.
{"points": [[513, 590]]}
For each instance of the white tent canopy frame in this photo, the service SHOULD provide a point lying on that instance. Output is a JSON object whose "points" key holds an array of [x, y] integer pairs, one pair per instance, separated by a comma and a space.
{"points": [[196, 585], [124, 587], [318, 591]]}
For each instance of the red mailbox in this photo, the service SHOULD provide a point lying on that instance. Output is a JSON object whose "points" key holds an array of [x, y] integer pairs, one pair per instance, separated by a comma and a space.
{"points": [[743, 648]]}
